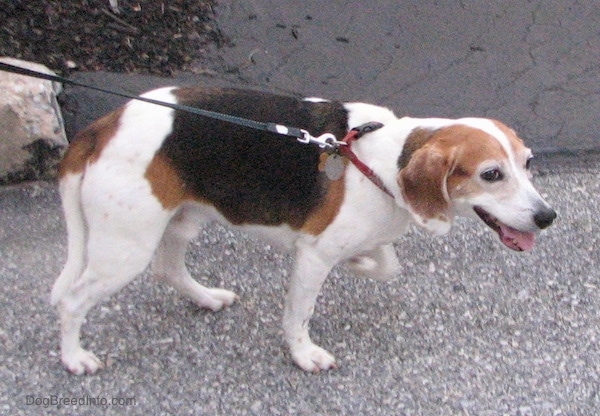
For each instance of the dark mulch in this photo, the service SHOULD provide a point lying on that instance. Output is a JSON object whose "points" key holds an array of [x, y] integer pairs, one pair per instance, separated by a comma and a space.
{"points": [[158, 37]]}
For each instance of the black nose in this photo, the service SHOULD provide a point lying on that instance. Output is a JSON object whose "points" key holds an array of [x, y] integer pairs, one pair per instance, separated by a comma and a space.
{"points": [[544, 217]]}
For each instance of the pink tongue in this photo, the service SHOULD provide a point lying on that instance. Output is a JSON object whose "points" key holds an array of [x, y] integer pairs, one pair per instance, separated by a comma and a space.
{"points": [[515, 239]]}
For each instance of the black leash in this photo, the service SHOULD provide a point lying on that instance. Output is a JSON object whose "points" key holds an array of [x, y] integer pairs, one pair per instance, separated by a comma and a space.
{"points": [[324, 141]]}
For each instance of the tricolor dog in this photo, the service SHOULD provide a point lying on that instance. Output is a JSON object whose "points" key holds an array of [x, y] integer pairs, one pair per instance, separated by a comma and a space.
{"points": [[138, 184]]}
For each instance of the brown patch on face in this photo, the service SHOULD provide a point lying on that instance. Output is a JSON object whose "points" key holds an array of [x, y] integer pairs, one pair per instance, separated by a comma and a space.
{"points": [[166, 184], [441, 168], [324, 215], [89, 143], [478, 147], [474, 148]]}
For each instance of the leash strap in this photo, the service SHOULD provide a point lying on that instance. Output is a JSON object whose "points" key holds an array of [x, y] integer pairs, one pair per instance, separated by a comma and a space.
{"points": [[326, 141], [298, 133]]}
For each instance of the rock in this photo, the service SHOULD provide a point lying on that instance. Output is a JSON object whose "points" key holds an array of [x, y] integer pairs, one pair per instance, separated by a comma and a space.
{"points": [[32, 134]]}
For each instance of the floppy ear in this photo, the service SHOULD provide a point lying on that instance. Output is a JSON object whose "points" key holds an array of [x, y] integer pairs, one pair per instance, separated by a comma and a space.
{"points": [[423, 185]]}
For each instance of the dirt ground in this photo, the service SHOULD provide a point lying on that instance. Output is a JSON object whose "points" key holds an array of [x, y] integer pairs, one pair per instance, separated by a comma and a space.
{"points": [[149, 37]]}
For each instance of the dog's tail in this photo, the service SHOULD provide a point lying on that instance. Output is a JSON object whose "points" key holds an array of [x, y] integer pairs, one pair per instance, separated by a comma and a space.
{"points": [[70, 193]]}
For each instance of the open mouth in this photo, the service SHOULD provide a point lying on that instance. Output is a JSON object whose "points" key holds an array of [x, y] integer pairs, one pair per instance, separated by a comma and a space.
{"points": [[510, 237]]}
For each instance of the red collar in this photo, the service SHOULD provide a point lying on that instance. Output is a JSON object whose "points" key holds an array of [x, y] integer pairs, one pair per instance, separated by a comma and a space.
{"points": [[346, 151]]}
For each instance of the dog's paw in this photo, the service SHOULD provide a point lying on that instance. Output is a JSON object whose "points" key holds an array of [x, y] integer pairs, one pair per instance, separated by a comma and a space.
{"points": [[313, 359], [366, 266], [216, 299], [82, 361]]}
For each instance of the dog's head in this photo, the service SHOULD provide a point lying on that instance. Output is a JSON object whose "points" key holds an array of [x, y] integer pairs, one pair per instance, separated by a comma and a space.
{"points": [[472, 166]]}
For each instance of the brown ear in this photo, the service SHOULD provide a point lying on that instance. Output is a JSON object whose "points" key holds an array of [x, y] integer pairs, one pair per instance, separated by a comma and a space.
{"points": [[423, 185]]}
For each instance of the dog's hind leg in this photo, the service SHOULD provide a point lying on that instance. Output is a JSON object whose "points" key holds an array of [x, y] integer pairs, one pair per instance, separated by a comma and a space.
{"points": [[119, 248], [70, 192], [169, 262]]}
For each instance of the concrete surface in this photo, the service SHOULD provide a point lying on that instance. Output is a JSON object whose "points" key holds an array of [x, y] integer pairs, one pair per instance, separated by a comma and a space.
{"points": [[533, 65], [467, 328]]}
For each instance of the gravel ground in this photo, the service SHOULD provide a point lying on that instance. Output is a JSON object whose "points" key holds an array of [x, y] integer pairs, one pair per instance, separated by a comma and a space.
{"points": [[467, 328]]}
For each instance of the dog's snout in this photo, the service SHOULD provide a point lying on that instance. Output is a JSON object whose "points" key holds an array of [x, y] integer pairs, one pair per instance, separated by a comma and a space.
{"points": [[544, 217]]}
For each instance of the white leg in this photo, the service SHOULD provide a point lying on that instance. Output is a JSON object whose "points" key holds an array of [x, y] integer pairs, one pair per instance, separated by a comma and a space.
{"points": [[73, 307], [169, 264], [123, 230], [112, 263], [380, 263], [70, 192], [310, 271]]}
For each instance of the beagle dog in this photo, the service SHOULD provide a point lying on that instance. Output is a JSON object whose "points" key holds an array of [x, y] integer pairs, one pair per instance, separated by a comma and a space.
{"points": [[138, 184]]}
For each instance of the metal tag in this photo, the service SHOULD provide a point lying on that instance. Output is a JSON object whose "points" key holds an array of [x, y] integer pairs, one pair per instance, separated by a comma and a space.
{"points": [[334, 166]]}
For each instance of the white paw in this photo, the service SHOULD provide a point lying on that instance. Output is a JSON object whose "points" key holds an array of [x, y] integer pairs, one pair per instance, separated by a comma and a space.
{"points": [[216, 299], [368, 267], [363, 264], [82, 361], [313, 359]]}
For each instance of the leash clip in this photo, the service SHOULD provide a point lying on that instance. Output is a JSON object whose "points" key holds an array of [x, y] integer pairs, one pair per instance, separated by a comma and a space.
{"points": [[325, 141]]}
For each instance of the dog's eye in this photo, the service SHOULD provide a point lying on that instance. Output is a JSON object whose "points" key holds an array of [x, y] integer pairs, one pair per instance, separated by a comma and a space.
{"points": [[492, 175], [528, 163]]}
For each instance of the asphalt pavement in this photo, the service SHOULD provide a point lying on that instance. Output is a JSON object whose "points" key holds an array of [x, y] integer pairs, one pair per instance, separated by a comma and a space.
{"points": [[467, 327]]}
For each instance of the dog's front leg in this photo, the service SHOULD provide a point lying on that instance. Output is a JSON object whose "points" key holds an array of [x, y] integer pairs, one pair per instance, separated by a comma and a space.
{"points": [[310, 271]]}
